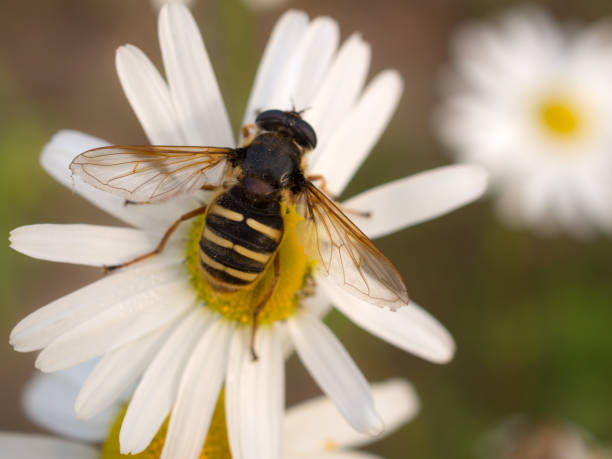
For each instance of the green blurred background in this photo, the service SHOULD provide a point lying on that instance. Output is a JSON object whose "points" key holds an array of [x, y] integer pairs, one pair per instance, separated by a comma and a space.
{"points": [[531, 316]]}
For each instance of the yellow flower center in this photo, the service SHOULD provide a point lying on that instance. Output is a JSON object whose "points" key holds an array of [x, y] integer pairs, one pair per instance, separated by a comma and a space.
{"points": [[295, 272], [216, 445], [560, 117]]}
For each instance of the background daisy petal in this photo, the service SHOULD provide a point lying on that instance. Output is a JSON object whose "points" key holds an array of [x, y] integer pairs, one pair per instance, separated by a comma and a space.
{"points": [[335, 372], [28, 446], [410, 327], [156, 392], [59, 153], [41, 327], [118, 325], [196, 401], [355, 138], [48, 400], [149, 96], [395, 400], [255, 395], [82, 244], [116, 371], [195, 93], [423, 197], [288, 32]]}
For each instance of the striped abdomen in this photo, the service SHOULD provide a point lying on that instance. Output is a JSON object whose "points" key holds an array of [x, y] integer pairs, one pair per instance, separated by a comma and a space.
{"points": [[239, 238]]}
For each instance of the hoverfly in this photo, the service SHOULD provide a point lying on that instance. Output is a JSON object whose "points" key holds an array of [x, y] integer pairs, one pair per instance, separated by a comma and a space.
{"points": [[243, 222]]}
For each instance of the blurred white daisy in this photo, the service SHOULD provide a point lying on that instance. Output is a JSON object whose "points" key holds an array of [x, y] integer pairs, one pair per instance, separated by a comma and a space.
{"points": [[519, 437], [532, 102], [149, 320], [311, 429]]}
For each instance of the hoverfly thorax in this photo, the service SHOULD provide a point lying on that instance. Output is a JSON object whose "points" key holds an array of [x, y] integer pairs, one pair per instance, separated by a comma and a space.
{"points": [[273, 158]]}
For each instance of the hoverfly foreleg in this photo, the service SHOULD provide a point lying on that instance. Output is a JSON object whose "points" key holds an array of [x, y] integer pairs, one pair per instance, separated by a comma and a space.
{"points": [[262, 303], [323, 187], [246, 130], [162, 242], [323, 184]]}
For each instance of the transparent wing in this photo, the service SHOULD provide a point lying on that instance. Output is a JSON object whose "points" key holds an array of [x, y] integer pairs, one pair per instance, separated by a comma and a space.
{"points": [[346, 255], [151, 173]]}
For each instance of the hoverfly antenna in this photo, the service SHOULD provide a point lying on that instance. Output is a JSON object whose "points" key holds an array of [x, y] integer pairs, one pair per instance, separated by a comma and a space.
{"points": [[302, 111], [294, 109]]}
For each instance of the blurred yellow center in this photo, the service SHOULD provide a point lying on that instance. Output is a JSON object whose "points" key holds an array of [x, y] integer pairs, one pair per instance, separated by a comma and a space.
{"points": [[295, 271], [560, 117], [216, 445]]}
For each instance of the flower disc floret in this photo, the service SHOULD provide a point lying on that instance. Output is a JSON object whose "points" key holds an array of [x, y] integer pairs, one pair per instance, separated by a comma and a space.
{"points": [[215, 446]]}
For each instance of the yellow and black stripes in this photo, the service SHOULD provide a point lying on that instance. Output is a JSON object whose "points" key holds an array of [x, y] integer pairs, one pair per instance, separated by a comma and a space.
{"points": [[239, 238]]}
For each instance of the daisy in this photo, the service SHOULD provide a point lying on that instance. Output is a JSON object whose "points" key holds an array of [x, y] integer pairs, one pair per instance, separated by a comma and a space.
{"points": [[531, 101], [310, 429], [156, 321], [519, 437]]}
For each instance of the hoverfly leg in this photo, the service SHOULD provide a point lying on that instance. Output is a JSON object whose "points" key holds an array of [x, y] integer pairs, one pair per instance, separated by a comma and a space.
{"points": [[246, 130], [358, 213], [162, 243], [261, 305], [321, 179], [323, 187]]}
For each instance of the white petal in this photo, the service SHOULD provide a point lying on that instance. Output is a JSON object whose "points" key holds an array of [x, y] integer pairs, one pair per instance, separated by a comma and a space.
{"points": [[118, 325], [48, 400], [157, 390], [410, 327], [61, 150], [193, 86], [339, 91], [315, 426], [302, 73], [350, 145], [198, 394], [149, 96], [47, 323], [29, 446], [255, 395], [287, 34], [82, 244], [418, 198], [335, 372], [116, 372], [320, 43]]}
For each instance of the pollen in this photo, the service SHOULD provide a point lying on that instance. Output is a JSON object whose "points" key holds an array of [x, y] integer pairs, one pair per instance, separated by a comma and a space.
{"points": [[560, 116], [330, 445], [216, 445], [295, 271]]}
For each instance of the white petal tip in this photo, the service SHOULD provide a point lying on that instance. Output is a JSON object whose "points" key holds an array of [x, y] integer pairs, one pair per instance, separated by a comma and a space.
{"points": [[478, 177], [445, 351], [375, 425]]}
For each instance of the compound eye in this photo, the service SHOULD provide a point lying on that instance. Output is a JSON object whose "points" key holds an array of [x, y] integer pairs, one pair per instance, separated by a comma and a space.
{"points": [[271, 120], [304, 134]]}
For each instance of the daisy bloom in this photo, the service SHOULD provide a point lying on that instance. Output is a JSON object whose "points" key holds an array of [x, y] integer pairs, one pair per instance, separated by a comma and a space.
{"points": [[519, 437], [157, 323], [531, 101], [311, 429]]}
